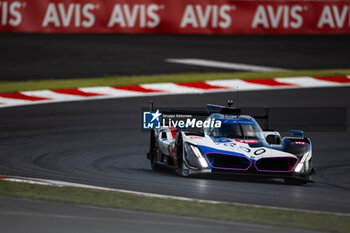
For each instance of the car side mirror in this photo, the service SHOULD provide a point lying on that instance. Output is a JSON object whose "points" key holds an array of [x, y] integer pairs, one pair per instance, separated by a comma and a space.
{"points": [[272, 137]]}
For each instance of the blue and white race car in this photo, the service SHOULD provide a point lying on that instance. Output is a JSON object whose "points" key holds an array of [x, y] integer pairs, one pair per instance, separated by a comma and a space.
{"points": [[237, 146]]}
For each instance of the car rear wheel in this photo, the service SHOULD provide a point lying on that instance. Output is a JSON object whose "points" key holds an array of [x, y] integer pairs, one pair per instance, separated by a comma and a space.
{"points": [[153, 150], [154, 165]]}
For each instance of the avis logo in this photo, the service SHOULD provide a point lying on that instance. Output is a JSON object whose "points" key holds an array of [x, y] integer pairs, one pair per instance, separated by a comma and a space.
{"points": [[151, 120]]}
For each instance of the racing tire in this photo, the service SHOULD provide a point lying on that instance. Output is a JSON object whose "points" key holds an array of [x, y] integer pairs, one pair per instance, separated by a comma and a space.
{"points": [[294, 181], [153, 152], [154, 165]]}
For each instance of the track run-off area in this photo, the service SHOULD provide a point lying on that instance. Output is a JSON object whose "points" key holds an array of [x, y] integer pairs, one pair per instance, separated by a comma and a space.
{"points": [[154, 89]]}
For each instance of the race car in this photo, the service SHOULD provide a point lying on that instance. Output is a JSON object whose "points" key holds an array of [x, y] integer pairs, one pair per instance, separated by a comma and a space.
{"points": [[236, 144]]}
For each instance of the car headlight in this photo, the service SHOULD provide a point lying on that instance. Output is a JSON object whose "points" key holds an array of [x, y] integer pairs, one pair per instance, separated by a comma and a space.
{"points": [[304, 162], [194, 156], [299, 167]]}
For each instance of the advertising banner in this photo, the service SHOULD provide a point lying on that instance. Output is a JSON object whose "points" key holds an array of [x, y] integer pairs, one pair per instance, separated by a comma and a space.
{"points": [[176, 16]]}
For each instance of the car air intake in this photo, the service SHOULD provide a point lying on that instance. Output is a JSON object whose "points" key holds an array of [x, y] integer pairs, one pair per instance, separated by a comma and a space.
{"points": [[279, 164], [228, 162]]}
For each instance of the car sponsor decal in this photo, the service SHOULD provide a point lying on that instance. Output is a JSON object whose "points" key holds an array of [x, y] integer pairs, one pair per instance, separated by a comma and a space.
{"points": [[248, 141]]}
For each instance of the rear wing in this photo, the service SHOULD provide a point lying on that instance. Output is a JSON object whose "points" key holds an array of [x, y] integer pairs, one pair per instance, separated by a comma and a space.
{"points": [[212, 108], [264, 117], [179, 111]]}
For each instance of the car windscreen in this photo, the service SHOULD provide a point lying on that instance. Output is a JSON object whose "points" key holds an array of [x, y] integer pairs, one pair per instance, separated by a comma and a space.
{"points": [[237, 129]]}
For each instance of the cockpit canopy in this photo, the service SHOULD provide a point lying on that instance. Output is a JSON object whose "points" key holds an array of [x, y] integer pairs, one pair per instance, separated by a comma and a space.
{"points": [[234, 126]]}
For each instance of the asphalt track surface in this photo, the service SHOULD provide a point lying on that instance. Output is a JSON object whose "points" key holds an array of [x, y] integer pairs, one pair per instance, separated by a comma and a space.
{"points": [[101, 143], [40, 56], [19, 216]]}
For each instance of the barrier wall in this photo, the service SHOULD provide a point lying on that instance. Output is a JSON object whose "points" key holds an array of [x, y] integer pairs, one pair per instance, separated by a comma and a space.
{"points": [[176, 16]]}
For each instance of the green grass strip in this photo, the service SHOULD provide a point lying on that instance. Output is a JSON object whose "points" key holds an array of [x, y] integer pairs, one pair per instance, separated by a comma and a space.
{"points": [[226, 212], [15, 86]]}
